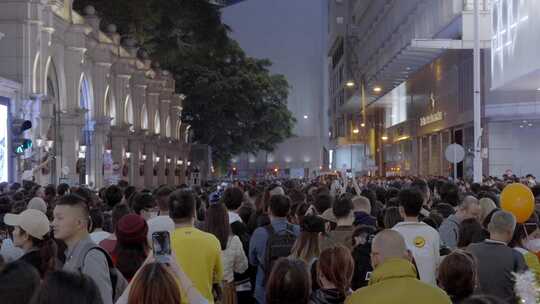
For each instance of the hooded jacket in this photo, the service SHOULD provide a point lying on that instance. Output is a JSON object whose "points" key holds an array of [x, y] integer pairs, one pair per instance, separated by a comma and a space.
{"points": [[398, 276]]}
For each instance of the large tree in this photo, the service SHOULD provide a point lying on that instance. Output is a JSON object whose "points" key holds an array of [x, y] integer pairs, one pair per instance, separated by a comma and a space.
{"points": [[233, 103]]}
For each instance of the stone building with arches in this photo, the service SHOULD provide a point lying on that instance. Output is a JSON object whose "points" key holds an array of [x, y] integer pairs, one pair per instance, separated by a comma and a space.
{"points": [[101, 110]]}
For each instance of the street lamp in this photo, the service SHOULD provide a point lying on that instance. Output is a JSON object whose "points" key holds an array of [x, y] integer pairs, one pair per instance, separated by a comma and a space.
{"points": [[377, 89], [350, 84], [356, 131], [363, 125], [384, 137], [128, 154], [144, 157]]}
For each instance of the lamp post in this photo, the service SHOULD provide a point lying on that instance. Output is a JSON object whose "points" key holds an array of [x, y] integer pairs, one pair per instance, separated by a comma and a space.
{"points": [[477, 163]]}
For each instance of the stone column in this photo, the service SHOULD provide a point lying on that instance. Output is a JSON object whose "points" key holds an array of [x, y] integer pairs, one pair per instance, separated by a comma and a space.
{"points": [[162, 164], [71, 124], [97, 150], [171, 179], [149, 163], [136, 148], [119, 139]]}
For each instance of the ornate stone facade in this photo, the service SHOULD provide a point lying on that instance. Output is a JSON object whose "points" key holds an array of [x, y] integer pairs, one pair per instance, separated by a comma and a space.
{"points": [[97, 103]]}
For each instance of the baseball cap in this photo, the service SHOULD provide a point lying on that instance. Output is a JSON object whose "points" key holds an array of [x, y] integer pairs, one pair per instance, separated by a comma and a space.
{"points": [[34, 222], [37, 203]]}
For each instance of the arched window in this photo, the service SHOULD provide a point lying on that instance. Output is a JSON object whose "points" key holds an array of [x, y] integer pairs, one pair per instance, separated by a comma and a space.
{"points": [[128, 111], [144, 117], [178, 133], [110, 106], [52, 83], [168, 127], [157, 124], [85, 101], [186, 135]]}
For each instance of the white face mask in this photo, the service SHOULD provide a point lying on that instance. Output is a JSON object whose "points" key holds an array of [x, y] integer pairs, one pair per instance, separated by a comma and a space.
{"points": [[533, 245]]}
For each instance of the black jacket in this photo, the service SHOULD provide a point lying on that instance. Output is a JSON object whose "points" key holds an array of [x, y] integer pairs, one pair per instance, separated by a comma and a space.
{"points": [[327, 296], [362, 266]]}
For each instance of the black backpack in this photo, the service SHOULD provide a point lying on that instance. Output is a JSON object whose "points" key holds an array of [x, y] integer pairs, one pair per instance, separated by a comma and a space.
{"points": [[278, 245]]}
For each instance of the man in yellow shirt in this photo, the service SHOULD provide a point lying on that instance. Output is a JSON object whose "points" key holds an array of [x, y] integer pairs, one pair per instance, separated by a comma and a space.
{"points": [[197, 252]]}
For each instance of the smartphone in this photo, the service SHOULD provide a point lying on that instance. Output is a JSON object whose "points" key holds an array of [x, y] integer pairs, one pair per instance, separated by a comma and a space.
{"points": [[161, 243]]}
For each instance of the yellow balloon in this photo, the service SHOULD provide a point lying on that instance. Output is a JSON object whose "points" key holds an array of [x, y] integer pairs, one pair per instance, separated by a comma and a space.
{"points": [[518, 199]]}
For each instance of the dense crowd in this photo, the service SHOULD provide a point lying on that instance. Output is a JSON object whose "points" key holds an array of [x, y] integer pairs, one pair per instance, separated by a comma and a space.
{"points": [[331, 240]]}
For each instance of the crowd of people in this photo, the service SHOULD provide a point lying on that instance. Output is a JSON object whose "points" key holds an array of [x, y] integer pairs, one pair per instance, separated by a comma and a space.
{"points": [[329, 240]]}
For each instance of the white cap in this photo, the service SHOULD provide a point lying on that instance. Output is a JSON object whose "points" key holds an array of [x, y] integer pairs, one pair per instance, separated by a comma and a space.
{"points": [[34, 222]]}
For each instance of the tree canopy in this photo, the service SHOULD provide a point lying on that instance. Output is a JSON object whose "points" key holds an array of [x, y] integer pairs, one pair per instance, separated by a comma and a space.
{"points": [[233, 103]]}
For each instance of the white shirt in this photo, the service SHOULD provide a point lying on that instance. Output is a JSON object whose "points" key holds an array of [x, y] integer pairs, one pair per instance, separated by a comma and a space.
{"points": [[98, 236], [234, 259], [424, 243], [234, 217], [160, 223]]}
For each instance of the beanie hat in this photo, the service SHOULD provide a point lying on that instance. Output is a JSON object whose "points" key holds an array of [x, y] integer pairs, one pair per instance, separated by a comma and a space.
{"points": [[131, 229]]}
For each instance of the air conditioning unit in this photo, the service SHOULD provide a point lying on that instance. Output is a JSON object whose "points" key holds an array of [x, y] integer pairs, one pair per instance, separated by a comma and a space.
{"points": [[339, 20]]}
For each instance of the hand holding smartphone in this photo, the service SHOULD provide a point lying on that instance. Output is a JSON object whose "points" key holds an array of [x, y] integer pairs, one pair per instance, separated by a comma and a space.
{"points": [[161, 244]]}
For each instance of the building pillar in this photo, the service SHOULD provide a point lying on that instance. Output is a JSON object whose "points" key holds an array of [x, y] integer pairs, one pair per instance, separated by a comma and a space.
{"points": [[97, 151], [71, 124], [162, 164], [149, 163], [119, 146], [136, 149]]}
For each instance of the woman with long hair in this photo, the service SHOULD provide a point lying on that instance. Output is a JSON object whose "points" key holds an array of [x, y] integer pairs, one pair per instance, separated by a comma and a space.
{"points": [[132, 245], [232, 254], [308, 245], [161, 283], [61, 287], [335, 271], [289, 283], [31, 233]]}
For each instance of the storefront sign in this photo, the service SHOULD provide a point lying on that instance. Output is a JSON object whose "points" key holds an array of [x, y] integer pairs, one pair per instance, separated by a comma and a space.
{"points": [[431, 118]]}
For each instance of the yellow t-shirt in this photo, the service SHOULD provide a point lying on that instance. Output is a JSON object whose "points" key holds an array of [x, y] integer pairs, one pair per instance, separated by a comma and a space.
{"points": [[199, 255]]}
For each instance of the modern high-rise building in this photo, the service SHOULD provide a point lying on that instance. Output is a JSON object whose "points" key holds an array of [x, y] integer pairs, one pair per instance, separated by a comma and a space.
{"points": [[292, 34], [401, 75]]}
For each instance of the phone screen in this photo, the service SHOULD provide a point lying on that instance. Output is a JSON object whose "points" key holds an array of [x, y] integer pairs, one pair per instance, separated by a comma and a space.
{"points": [[161, 242]]}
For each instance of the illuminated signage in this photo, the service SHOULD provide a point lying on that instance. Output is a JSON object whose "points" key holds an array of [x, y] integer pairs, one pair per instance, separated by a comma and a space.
{"points": [[431, 118], [434, 117]]}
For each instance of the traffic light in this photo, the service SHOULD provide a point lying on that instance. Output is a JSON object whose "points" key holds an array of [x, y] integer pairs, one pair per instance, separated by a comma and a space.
{"points": [[18, 127]]}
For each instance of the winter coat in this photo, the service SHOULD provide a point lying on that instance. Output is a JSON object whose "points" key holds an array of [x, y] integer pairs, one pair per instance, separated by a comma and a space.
{"points": [[395, 281]]}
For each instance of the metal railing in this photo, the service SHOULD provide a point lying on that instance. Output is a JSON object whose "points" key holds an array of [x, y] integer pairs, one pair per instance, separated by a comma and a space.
{"points": [[483, 5]]}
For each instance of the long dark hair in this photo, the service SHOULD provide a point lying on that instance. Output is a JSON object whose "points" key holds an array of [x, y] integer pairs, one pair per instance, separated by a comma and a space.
{"points": [[289, 283], [217, 223], [18, 282], [61, 287], [48, 250], [130, 257]]}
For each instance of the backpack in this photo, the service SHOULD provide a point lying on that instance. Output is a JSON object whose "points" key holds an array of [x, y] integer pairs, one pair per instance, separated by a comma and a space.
{"points": [[278, 245], [118, 282]]}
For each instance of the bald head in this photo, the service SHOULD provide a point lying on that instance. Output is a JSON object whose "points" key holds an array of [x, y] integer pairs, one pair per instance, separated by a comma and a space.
{"points": [[361, 203], [388, 244]]}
